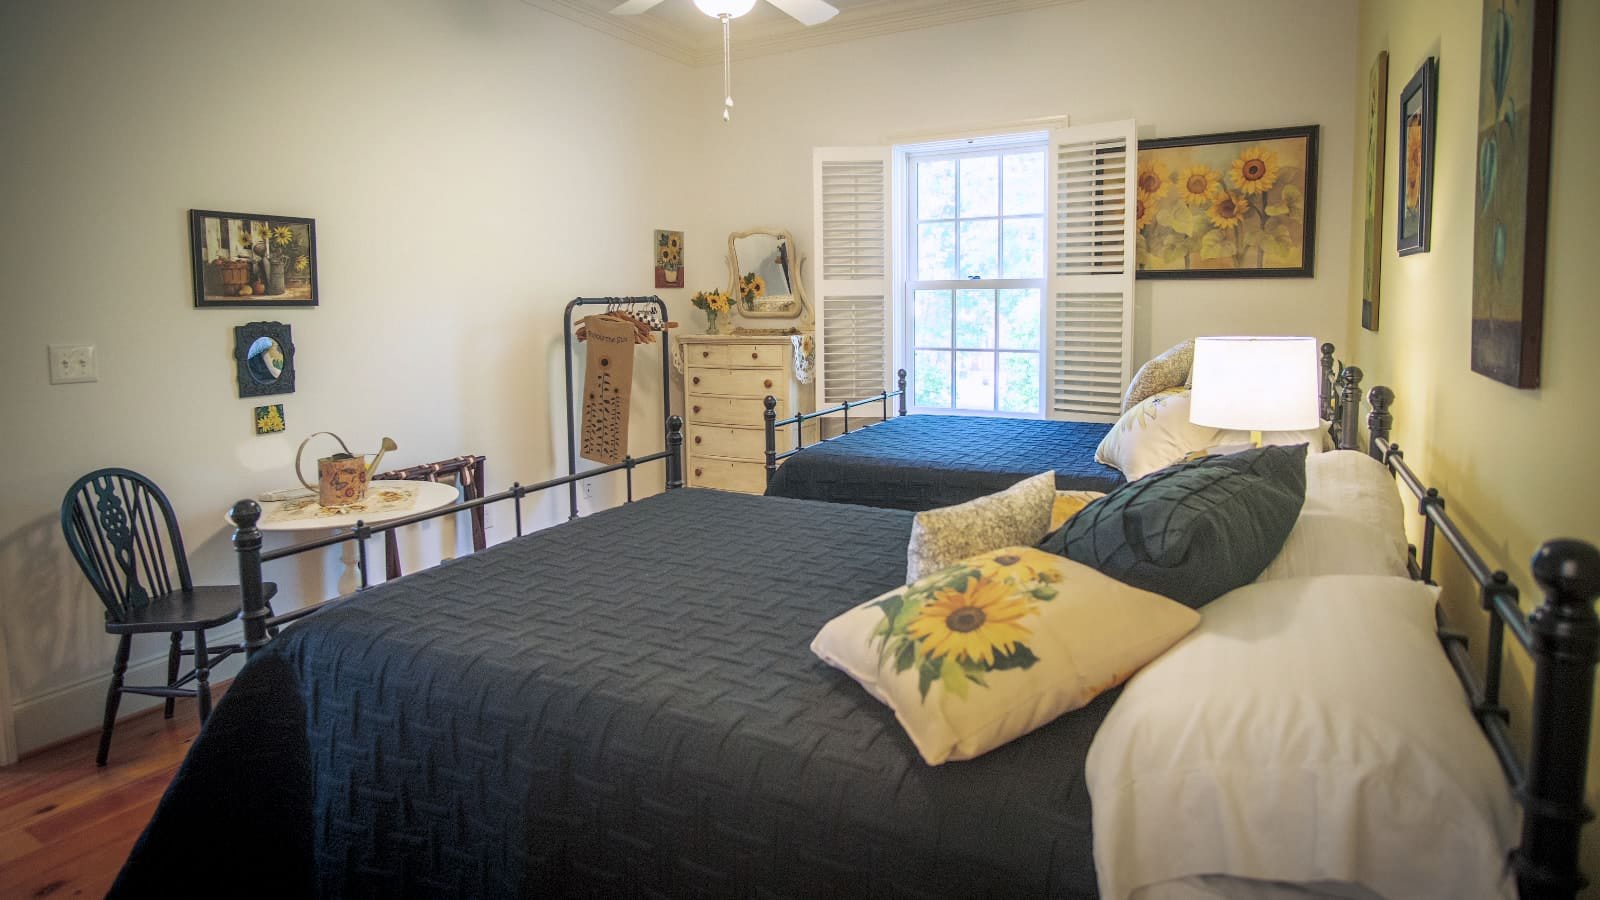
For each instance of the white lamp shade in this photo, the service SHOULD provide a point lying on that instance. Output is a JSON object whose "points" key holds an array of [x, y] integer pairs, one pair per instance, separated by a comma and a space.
{"points": [[1255, 383], [732, 8]]}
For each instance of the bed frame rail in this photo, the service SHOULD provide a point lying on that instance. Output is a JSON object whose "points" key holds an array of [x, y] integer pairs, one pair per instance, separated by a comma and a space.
{"points": [[1562, 636], [259, 622], [770, 417]]}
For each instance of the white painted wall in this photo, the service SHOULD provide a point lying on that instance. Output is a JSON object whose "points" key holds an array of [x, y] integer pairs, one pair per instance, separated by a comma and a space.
{"points": [[1177, 66], [463, 192]]}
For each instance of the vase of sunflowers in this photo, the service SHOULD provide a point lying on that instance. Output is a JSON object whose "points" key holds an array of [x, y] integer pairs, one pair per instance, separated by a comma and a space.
{"points": [[289, 260], [752, 287], [715, 304]]}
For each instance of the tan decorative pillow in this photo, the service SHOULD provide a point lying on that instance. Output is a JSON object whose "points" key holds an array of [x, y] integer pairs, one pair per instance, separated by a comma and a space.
{"points": [[978, 654], [1069, 504], [1171, 369], [1020, 514], [1154, 434]]}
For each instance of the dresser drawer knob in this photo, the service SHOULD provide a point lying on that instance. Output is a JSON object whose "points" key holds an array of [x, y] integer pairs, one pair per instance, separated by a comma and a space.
{"points": [[755, 356], [767, 383], [697, 409], [705, 354], [699, 472], [697, 379], [697, 439]]}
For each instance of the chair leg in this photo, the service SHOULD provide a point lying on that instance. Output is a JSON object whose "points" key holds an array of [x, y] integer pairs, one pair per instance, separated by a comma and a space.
{"points": [[173, 654], [202, 668], [119, 668]]}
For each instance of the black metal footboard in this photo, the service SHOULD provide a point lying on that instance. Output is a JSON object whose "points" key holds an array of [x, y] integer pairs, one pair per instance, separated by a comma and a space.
{"points": [[259, 622], [1562, 636], [799, 420]]}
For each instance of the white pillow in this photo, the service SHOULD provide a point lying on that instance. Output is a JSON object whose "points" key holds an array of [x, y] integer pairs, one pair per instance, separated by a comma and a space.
{"points": [[1352, 522], [1153, 434], [1308, 730], [1016, 516], [985, 651]]}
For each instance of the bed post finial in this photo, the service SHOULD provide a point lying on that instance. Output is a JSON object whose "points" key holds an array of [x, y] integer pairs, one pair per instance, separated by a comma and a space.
{"points": [[901, 386], [1325, 374], [1349, 389], [247, 544], [1380, 421], [769, 415], [1565, 646], [674, 452]]}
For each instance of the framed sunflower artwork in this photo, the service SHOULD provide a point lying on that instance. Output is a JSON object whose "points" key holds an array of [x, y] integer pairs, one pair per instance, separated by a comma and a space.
{"points": [[1416, 162], [252, 260], [1240, 204], [1372, 246], [669, 259]]}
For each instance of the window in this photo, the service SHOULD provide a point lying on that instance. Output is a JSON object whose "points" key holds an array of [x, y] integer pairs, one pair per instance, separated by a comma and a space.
{"points": [[975, 264]]}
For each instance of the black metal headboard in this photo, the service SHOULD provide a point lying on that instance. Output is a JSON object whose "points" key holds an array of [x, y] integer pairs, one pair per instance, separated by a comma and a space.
{"points": [[1562, 636]]}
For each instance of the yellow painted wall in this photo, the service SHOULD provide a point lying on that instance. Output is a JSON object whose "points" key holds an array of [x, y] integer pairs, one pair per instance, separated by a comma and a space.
{"points": [[1516, 466]]}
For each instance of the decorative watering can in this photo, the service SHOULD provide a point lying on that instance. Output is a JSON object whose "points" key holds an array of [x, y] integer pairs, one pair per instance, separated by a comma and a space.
{"points": [[341, 478]]}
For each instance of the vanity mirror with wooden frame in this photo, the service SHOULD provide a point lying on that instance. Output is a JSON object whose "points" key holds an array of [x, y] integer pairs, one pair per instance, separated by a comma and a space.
{"points": [[767, 259]]}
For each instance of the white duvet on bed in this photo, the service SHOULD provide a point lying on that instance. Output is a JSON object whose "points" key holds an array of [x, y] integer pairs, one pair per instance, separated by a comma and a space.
{"points": [[1310, 730]]}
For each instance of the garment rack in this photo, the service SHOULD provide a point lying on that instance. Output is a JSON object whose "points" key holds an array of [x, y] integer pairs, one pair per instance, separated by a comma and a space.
{"points": [[653, 310]]}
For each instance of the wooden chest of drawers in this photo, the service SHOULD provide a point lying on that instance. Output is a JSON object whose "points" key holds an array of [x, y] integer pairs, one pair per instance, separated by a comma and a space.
{"points": [[725, 380]]}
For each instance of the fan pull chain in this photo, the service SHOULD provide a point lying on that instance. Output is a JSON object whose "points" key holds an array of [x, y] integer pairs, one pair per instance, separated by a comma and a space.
{"points": [[727, 68]]}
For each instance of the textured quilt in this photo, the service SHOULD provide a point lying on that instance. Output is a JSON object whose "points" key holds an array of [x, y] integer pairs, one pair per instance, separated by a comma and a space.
{"points": [[923, 462], [621, 706]]}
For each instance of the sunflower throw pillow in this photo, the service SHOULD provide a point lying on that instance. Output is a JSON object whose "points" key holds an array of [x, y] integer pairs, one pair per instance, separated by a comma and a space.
{"points": [[1018, 515], [980, 653]]}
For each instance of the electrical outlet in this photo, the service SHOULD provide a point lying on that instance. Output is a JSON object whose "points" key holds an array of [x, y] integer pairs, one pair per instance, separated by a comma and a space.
{"points": [[72, 364], [588, 488]]}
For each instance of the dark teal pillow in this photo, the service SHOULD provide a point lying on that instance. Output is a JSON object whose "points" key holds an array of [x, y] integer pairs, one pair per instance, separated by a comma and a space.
{"points": [[1193, 531]]}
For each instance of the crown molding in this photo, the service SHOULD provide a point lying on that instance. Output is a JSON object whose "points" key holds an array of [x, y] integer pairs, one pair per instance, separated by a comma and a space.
{"points": [[779, 34]]}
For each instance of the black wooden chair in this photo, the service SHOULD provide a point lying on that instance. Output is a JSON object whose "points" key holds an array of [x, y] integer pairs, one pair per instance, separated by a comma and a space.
{"points": [[114, 521]]}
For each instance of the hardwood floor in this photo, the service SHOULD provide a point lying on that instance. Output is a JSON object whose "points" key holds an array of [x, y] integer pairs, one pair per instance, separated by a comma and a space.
{"points": [[66, 825]]}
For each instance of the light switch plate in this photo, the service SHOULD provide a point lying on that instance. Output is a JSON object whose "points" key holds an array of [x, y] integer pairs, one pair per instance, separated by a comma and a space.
{"points": [[72, 364]]}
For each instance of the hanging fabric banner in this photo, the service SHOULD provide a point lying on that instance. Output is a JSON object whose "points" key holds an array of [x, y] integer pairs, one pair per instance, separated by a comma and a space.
{"points": [[607, 387]]}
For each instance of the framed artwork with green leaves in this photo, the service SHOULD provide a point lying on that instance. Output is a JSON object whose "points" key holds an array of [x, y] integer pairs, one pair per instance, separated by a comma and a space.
{"points": [[1239, 204]]}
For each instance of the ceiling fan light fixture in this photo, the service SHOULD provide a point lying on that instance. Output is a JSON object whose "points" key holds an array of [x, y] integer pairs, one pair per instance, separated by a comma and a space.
{"points": [[733, 9]]}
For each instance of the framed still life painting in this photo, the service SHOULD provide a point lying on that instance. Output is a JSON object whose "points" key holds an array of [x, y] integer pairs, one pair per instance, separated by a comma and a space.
{"points": [[1416, 161], [669, 259], [1372, 246], [1235, 205], [252, 260], [1510, 217]]}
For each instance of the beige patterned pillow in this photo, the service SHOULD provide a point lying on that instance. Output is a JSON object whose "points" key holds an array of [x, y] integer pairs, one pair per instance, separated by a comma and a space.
{"points": [[1171, 369], [985, 651], [1020, 514]]}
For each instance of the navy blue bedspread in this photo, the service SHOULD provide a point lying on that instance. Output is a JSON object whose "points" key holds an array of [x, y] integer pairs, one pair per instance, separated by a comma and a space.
{"points": [[922, 462], [622, 706]]}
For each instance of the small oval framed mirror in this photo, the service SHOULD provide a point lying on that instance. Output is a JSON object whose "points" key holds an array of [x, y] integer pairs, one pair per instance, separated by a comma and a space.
{"points": [[765, 274], [264, 355]]}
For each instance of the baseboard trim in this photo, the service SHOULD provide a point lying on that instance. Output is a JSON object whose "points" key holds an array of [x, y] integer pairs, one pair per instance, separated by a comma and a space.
{"points": [[73, 709]]}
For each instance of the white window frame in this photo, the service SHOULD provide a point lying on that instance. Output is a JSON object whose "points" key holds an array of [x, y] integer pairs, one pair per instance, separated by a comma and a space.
{"points": [[906, 284]]}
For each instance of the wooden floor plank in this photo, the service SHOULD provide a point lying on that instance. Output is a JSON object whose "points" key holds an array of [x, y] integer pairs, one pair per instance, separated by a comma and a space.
{"points": [[66, 825]]}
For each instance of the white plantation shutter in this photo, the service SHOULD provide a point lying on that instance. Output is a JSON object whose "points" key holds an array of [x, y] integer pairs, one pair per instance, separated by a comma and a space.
{"points": [[852, 287], [1092, 238]]}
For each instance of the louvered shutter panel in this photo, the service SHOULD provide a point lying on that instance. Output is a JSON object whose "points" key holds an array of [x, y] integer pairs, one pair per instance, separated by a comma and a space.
{"points": [[1092, 241], [851, 221]]}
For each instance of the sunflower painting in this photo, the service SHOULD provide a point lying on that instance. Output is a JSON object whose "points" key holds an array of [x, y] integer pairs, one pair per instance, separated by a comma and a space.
{"points": [[1416, 162], [249, 259], [1228, 205], [960, 625], [669, 259]]}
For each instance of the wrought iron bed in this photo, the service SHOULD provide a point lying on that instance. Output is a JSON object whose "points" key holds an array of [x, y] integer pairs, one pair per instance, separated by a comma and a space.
{"points": [[1562, 636], [1338, 396]]}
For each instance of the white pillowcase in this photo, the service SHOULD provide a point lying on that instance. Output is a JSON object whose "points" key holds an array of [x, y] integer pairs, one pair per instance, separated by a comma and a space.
{"points": [[1352, 522], [1308, 730], [1153, 434]]}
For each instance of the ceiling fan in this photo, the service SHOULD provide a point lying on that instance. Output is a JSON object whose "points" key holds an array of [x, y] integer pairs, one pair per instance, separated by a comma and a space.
{"points": [[806, 12]]}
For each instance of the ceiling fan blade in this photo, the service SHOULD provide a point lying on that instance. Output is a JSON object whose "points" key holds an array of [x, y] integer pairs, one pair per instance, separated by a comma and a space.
{"points": [[634, 7], [809, 12]]}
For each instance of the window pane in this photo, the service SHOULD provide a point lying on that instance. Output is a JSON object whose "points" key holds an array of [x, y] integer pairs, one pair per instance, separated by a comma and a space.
{"points": [[975, 380], [933, 319], [1024, 248], [936, 189], [1019, 319], [1024, 183], [974, 319], [933, 379], [980, 186], [936, 251], [1019, 382], [980, 249]]}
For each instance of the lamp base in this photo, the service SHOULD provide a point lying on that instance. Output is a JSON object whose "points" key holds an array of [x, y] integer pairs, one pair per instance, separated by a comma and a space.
{"points": [[1255, 438]]}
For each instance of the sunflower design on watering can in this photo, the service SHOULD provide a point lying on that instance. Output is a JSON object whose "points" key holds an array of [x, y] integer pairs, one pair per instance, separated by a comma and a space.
{"points": [[341, 478]]}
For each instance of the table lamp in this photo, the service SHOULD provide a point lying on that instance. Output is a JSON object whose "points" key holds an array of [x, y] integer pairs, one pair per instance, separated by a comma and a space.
{"points": [[1255, 384]]}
